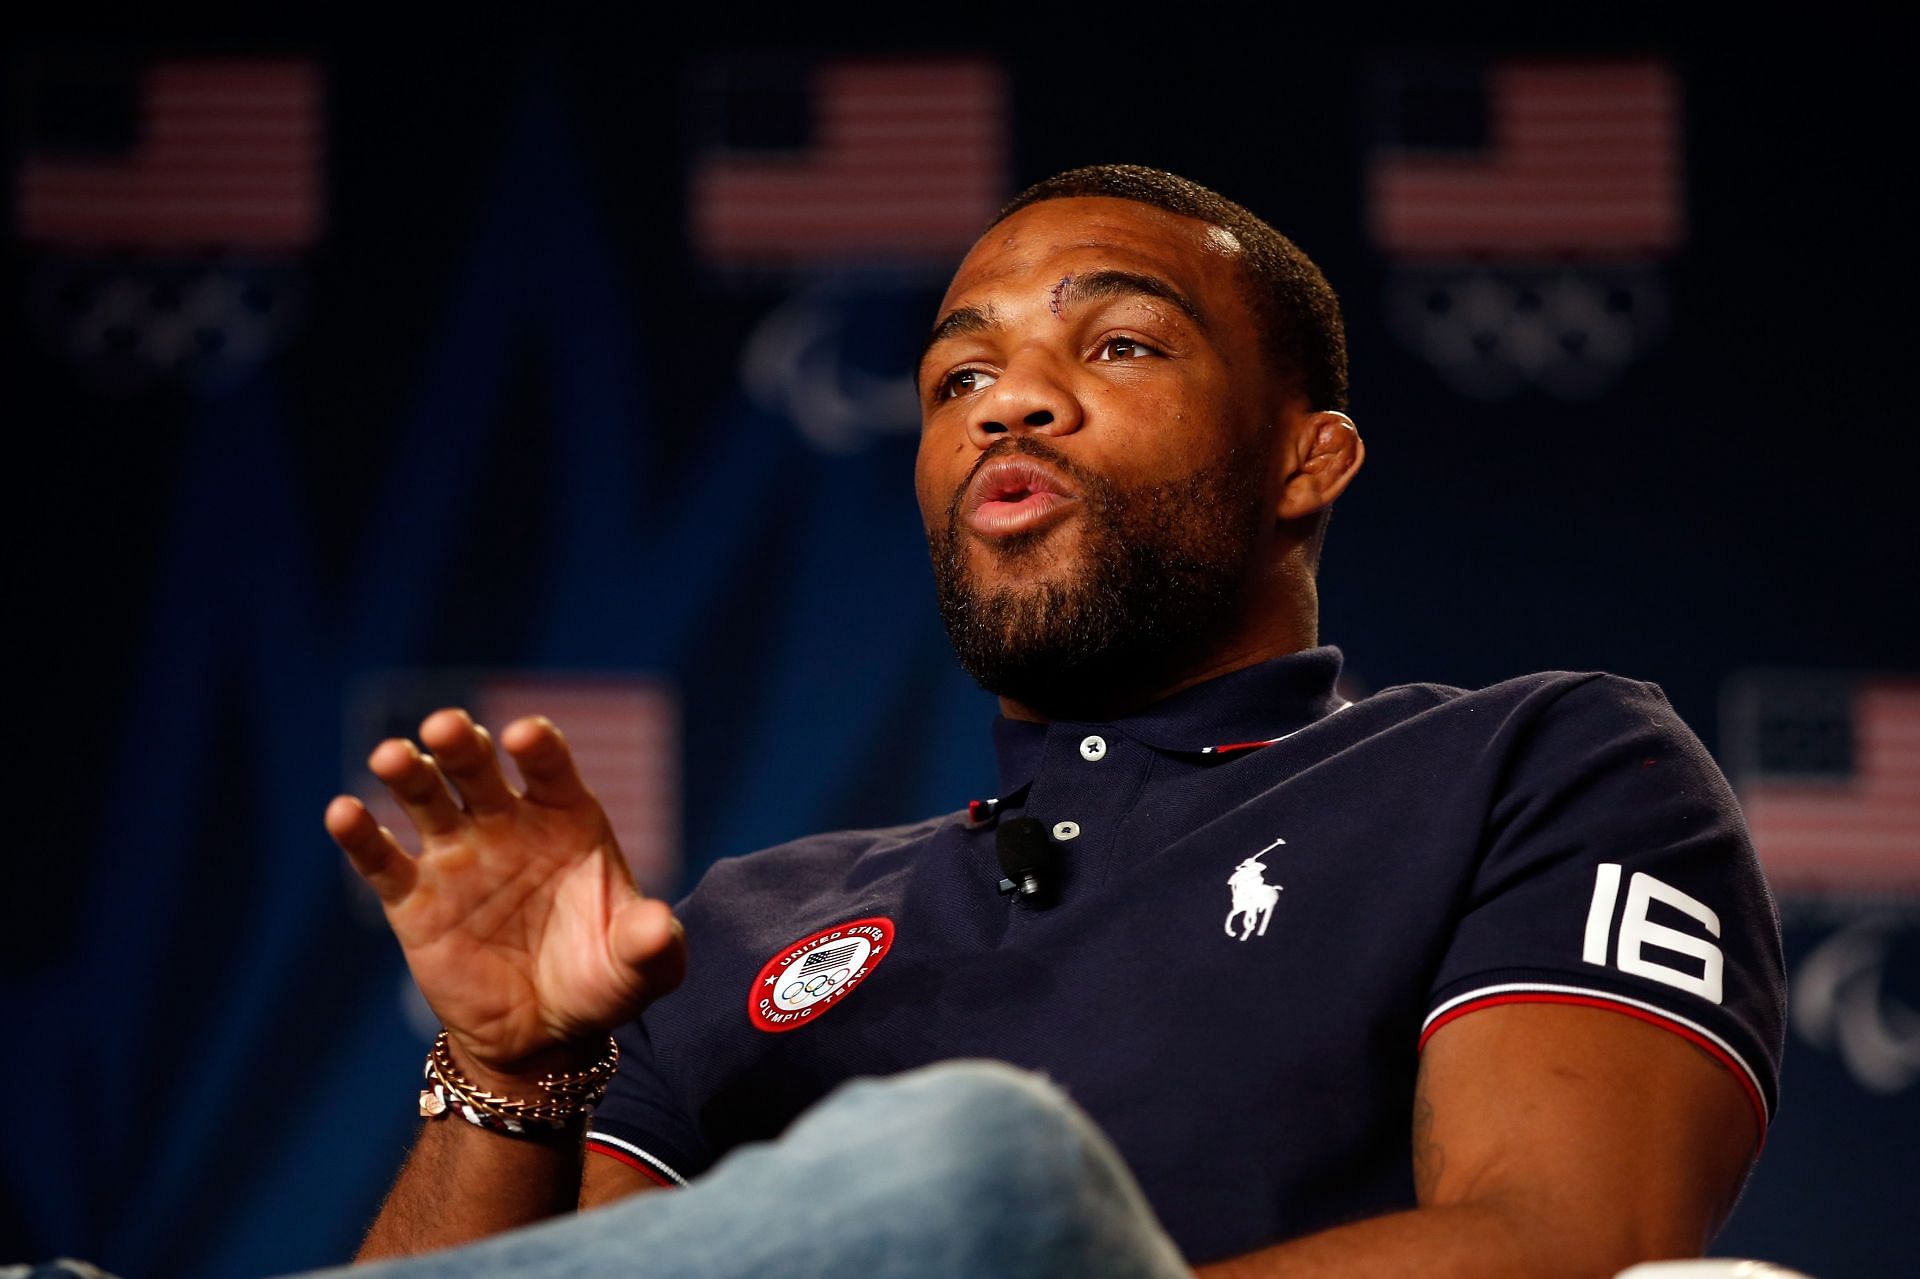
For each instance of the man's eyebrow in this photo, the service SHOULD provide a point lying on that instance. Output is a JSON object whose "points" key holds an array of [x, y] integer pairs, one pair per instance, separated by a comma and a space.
{"points": [[1074, 289], [1107, 284], [958, 323]]}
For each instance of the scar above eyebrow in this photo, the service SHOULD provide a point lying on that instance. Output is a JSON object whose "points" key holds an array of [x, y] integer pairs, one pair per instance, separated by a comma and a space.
{"points": [[1053, 302]]}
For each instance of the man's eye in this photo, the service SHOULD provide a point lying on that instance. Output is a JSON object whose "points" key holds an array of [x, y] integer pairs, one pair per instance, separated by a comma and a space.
{"points": [[965, 382], [1124, 349]]}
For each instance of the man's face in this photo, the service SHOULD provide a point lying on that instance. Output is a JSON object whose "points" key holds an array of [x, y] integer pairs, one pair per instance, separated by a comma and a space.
{"points": [[1094, 458]]}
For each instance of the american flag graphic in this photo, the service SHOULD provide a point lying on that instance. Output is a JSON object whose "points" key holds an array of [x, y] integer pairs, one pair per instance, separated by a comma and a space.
{"points": [[1576, 159], [828, 958], [625, 735], [226, 155], [1831, 786], [906, 160], [624, 731]]}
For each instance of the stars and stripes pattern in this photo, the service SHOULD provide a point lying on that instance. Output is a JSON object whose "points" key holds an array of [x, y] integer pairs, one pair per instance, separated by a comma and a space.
{"points": [[829, 957], [907, 159], [624, 734], [227, 155], [1580, 158], [623, 731], [1851, 831]]}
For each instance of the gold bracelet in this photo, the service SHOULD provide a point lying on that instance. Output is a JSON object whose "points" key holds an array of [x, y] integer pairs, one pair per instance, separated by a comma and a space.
{"points": [[568, 1094]]}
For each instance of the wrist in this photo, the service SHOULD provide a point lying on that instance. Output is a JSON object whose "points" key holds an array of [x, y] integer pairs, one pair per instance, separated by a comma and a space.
{"points": [[520, 1076], [554, 1101]]}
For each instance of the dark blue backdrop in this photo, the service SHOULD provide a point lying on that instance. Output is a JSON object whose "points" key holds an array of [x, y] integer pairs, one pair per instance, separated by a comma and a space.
{"points": [[510, 431]]}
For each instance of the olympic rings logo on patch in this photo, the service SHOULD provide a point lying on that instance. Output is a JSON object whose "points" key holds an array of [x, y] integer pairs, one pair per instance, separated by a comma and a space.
{"points": [[805, 979]]}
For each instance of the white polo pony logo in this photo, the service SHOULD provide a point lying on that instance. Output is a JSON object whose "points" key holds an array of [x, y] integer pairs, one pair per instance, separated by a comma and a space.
{"points": [[1253, 897]]}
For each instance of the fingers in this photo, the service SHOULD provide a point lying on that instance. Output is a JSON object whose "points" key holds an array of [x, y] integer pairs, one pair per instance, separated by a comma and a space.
{"points": [[546, 765], [416, 781], [464, 751], [371, 848]]}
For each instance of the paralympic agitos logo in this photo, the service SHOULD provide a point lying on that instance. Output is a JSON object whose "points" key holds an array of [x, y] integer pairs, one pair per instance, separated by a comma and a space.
{"points": [[805, 979]]}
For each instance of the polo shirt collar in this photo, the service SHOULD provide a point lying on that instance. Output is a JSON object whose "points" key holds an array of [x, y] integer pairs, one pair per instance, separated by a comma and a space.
{"points": [[1252, 705]]}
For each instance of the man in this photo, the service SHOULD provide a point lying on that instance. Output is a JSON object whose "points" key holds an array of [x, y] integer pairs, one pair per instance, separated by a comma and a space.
{"points": [[1260, 914]]}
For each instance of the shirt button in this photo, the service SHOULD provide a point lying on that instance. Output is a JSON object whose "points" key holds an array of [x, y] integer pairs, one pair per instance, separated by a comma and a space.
{"points": [[1093, 748], [1064, 831]]}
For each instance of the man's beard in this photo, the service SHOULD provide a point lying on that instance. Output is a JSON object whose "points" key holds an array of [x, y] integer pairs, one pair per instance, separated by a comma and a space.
{"points": [[1160, 577]]}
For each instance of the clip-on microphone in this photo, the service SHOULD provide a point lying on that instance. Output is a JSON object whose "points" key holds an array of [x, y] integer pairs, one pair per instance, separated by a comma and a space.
{"points": [[1029, 859]]}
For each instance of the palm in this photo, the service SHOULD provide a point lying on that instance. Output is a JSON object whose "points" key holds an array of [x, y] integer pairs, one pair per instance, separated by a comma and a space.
{"points": [[507, 933], [519, 920]]}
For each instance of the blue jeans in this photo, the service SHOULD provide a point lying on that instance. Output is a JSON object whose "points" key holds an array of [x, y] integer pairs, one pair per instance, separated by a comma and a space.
{"points": [[964, 1169]]}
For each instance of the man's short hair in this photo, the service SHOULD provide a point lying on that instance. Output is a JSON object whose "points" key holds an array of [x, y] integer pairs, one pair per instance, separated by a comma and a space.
{"points": [[1298, 314]]}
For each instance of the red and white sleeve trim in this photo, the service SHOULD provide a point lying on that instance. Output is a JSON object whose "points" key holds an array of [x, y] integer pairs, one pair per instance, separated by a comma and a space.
{"points": [[1542, 993], [650, 1166]]}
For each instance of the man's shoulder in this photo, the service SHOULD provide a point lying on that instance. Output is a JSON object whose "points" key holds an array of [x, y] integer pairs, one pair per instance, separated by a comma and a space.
{"points": [[1523, 698], [1555, 727], [821, 862], [1553, 711]]}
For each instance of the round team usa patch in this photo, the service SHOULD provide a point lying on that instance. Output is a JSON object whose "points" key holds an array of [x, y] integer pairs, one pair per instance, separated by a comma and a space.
{"points": [[805, 979]]}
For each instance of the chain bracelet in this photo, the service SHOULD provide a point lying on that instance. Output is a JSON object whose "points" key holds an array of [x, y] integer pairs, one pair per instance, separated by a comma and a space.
{"points": [[567, 1094]]}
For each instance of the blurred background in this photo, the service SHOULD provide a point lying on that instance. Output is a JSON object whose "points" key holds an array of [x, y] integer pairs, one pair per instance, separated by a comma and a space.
{"points": [[347, 377]]}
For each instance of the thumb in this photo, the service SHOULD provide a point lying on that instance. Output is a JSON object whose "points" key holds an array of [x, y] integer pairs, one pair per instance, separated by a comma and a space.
{"points": [[644, 936]]}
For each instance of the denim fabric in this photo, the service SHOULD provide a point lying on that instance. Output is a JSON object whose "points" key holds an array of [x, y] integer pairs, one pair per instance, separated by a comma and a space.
{"points": [[957, 1171]]}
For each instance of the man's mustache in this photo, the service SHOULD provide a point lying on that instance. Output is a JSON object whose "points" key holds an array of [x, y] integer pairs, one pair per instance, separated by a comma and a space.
{"points": [[1023, 446]]}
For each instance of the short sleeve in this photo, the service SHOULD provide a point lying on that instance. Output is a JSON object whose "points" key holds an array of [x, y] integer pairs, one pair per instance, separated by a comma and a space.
{"points": [[641, 1123], [1616, 872]]}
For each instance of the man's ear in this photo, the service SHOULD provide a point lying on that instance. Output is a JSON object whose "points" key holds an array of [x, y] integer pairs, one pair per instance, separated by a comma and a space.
{"points": [[1322, 455]]}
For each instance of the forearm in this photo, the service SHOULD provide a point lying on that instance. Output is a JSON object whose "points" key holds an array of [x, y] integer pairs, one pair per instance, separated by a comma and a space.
{"points": [[462, 1183], [1484, 1240], [524, 932]]}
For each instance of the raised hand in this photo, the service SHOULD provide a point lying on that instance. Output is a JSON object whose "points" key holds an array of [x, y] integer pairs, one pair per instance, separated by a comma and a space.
{"points": [[519, 919]]}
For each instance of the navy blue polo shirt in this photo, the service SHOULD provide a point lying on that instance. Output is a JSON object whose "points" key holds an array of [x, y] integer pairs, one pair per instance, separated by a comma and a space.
{"points": [[1269, 898]]}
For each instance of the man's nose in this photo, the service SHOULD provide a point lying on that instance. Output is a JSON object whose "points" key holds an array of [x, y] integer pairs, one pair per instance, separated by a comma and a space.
{"points": [[1030, 395]]}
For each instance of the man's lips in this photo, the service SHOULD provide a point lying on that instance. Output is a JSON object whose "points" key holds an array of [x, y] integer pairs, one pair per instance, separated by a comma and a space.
{"points": [[1015, 495]]}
